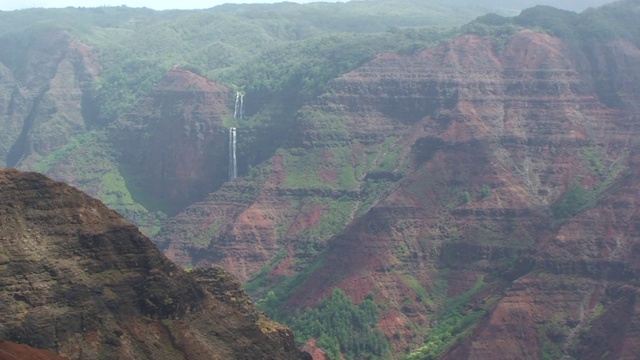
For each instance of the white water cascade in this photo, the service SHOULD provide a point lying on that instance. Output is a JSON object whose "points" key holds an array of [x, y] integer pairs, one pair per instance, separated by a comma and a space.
{"points": [[238, 111], [233, 170]]}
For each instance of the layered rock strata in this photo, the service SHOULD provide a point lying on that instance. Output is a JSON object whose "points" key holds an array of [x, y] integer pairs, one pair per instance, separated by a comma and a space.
{"points": [[79, 280], [489, 160]]}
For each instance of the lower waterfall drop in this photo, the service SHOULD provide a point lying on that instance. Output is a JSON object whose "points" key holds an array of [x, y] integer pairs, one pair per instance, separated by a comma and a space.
{"points": [[233, 169]]}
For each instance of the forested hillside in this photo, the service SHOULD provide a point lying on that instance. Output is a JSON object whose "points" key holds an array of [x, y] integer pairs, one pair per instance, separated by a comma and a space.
{"points": [[422, 169], [120, 54]]}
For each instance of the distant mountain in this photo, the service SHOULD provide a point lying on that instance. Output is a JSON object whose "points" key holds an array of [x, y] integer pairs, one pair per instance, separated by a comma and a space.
{"points": [[574, 5]]}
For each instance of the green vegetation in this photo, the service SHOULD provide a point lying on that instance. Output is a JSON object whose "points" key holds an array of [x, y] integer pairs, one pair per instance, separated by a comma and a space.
{"points": [[92, 160], [500, 29], [263, 278], [453, 325], [79, 143], [553, 335], [203, 238], [465, 197], [575, 200], [340, 327], [593, 161], [281, 50], [613, 21], [281, 291], [423, 295], [485, 191], [283, 60], [333, 221]]}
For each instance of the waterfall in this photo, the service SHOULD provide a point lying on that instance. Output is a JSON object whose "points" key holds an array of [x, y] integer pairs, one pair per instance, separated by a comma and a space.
{"points": [[238, 110], [235, 109], [233, 170]]}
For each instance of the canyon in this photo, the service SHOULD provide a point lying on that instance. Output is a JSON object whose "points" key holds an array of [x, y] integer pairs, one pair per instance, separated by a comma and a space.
{"points": [[482, 192]]}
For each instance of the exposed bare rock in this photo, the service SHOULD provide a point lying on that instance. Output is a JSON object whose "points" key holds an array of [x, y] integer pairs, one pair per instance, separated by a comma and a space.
{"points": [[79, 280], [13, 351]]}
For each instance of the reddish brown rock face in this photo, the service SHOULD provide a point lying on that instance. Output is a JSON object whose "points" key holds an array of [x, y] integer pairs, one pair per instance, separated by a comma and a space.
{"points": [[79, 280], [480, 153], [174, 145], [13, 351]]}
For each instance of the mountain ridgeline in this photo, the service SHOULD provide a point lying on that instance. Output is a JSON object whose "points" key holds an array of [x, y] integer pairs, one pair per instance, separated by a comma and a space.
{"points": [[79, 280], [416, 180]]}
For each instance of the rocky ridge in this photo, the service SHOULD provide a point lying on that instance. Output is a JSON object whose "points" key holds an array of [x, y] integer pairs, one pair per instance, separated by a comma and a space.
{"points": [[81, 281], [44, 99]]}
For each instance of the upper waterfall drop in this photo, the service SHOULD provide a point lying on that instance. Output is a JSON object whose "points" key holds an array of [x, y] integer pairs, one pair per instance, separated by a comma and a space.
{"points": [[238, 110]]}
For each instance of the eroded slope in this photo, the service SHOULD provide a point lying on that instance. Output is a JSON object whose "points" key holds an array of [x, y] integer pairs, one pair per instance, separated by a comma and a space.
{"points": [[457, 173], [79, 280]]}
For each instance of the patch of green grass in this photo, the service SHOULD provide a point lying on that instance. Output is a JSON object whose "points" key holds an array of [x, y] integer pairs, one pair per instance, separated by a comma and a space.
{"points": [[283, 290], [203, 238], [333, 220], [593, 160], [78, 143], [422, 293], [301, 169], [319, 168], [263, 278], [455, 322]]}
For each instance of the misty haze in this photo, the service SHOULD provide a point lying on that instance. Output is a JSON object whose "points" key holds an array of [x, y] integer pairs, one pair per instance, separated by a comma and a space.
{"points": [[373, 179]]}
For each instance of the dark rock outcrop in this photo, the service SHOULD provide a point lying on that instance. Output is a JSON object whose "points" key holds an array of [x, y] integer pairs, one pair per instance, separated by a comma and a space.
{"points": [[173, 145], [79, 280]]}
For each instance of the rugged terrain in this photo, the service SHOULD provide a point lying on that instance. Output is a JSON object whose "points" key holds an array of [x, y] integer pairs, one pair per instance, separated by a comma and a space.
{"points": [[481, 190], [473, 198], [79, 280]]}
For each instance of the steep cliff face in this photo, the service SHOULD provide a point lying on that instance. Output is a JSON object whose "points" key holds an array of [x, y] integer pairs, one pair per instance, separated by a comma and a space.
{"points": [[45, 94], [81, 281], [169, 152], [459, 181], [174, 145]]}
